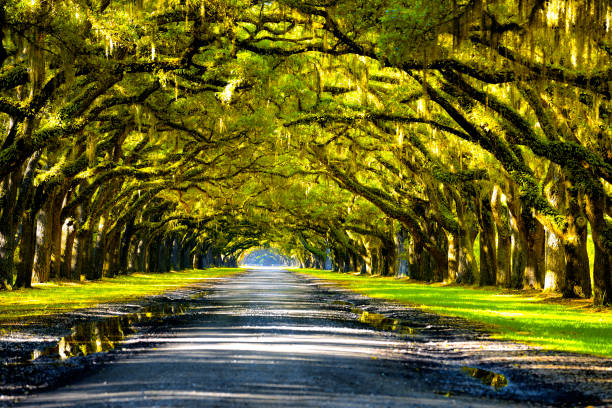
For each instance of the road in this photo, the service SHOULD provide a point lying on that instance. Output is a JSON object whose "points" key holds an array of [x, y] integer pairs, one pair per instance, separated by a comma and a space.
{"points": [[266, 338]]}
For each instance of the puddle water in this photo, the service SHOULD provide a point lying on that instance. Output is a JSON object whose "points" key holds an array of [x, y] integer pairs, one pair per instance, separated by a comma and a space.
{"points": [[495, 380], [377, 320], [382, 322], [105, 334], [342, 303]]}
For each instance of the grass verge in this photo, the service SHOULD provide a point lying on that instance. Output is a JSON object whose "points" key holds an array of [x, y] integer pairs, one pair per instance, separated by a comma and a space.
{"points": [[534, 319], [23, 305]]}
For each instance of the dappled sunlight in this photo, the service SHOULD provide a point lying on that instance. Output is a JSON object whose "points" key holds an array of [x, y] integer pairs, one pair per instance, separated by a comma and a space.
{"points": [[550, 325], [248, 346], [264, 339]]}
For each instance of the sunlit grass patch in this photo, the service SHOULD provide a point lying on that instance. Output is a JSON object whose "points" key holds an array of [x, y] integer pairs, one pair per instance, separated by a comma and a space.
{"points": [[567, 325], [23, 305]]}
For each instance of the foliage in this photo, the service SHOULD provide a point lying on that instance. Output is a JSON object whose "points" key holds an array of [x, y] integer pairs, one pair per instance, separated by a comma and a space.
{"points": [[372, 134]]}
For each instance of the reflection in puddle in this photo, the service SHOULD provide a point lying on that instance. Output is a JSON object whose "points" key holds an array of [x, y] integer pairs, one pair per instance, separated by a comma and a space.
{"points": [[342, 303], [382, 322], [495, 380], [103, 335], [377, 320]]}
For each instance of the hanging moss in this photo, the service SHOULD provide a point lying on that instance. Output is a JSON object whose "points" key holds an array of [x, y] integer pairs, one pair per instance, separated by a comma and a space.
{"points": [[13, 77]]}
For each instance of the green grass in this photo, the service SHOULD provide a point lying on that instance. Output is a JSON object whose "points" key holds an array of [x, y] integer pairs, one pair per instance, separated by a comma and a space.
{"points": [[17, 307], [534, 319]]}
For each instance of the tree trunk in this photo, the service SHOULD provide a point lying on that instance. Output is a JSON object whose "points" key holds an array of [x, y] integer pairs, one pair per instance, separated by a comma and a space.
{"points": [[26, 250], [519, 259], [453, 258], [576, 255], [8, 196], [26, 207], [438, 257], [602, 267], [149, 263], [535, 238], [124, 251], [55, 217], [403, 267], [389, 258], [174, 254], [68, 264], [186, 256], [162, 255], [488, 261], [140, 255], [466, 265], [370, 261], [602, 275], [111, 255], [95, 271], [501, 215], [42, 258], [554, 278], [83, 250], [354, 262]]}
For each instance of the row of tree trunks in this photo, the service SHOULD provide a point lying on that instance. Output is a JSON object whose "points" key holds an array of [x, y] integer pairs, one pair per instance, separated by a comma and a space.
{"points": [[92, 253], [516, 250]]}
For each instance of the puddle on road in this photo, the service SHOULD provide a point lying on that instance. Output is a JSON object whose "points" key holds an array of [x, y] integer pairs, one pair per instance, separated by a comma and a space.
{"points": [[495, 380], [105, 334], [342, 303], [382, 322], [377, 320]]}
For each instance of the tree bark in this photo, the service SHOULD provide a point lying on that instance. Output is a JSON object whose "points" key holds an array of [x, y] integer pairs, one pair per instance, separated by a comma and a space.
{"points": [[488, 260], [555, 278], [535, 238], [576, 255], [164, 255], [42, 258], [467, 267], [8, 244], [111, 255], [27, 249], [83, 249], [389, 257], [602, 267], [501, 215], [140, 255], [438, 260], [68, 264], [95, 271], [124, 251], [519, 258], [55, 218], [453, 258], [174, 254]]}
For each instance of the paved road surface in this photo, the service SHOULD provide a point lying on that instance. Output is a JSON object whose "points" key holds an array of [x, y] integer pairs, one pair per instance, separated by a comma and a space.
{"points": [[264, 339]]}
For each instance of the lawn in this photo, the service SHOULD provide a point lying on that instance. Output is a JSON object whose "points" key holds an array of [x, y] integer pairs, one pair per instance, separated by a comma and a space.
{"points": [[534, 319], [19, 306]]}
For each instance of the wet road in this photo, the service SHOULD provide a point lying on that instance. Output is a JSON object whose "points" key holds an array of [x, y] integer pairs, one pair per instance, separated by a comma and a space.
{"points": [[266, 338]]}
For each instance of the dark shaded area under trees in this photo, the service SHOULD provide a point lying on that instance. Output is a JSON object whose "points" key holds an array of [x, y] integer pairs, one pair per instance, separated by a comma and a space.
{"points": [[388, 136]]}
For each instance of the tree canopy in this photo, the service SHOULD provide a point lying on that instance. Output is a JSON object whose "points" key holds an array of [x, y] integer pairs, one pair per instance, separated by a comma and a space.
{"points": [[389, 136]]}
